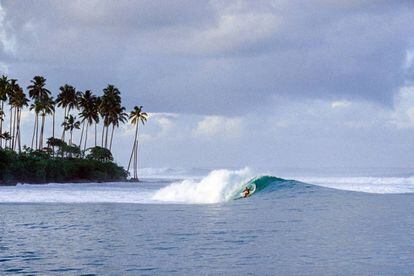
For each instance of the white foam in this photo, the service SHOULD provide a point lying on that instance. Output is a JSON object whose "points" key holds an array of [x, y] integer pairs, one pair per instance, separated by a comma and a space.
{"points": [[218, 186], [378, 185]]}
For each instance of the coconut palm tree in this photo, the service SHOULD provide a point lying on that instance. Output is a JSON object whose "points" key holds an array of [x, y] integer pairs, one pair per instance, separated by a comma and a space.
{"points": [[37, 89], [88, 104], [12, 90], [67, 99], [7, 137], [37, 92], [118, 116], [70, 124], [95, 111], [136, 116], [37, 107], [4, 86], [110, 103], [47, 107], [19, 101]]}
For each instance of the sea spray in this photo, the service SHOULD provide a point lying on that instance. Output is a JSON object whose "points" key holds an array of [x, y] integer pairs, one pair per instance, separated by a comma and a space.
{"points": [[218, 186]]}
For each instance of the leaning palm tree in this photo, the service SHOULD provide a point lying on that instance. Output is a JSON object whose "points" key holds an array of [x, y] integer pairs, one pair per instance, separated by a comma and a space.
{"points": [[4, 86], [118, 116], [136, 116], [67, 99]]}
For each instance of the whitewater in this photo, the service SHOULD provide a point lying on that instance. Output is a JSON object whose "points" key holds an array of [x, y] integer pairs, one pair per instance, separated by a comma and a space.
{"points": [[217, 186]]}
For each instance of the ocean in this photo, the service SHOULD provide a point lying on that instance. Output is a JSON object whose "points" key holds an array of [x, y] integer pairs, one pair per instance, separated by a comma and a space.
{"points": [[186, 223]]}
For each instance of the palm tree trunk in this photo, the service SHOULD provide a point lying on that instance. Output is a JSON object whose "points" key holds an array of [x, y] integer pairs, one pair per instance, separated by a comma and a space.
{"points": [[81, 138], [64, 119], [1, 123], [53, 133], [103, 134], [96, 134], [106, 137], [70, 141], [19, 115], [16, 117], [37, 131], [112, 137], [14, 129], [133, 147], [136, 160], [86, 136], [41, 131], [34, 130], [11, 122]]}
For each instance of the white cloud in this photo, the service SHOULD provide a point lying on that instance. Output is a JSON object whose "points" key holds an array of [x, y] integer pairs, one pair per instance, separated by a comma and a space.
{"points": [[403, 114], [219, 126], [234, 31], [340, 104]]}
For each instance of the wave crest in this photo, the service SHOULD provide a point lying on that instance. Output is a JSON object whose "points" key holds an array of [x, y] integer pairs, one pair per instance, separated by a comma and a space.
{"points": [[218, 186]]}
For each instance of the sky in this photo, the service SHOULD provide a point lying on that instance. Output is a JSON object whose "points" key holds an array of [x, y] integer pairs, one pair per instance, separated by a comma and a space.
{"points": [[309, 84]]}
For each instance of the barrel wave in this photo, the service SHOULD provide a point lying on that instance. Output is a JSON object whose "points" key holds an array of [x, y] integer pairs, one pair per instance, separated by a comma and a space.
{"points": [[222, 186]]}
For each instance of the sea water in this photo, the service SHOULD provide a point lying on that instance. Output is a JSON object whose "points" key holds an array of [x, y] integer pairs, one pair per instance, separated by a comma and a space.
{"points": [[358, 224]]}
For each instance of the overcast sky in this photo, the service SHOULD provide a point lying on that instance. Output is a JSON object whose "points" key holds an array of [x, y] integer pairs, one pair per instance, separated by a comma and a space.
{"points": [[233, 83]]}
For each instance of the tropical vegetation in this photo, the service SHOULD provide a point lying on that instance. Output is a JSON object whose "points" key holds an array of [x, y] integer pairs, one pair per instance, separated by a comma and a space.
{"points": [[63, 158]]}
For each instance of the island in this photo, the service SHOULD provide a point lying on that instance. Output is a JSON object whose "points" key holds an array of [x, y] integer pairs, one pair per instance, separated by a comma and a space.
{"points": [[72, 158]]}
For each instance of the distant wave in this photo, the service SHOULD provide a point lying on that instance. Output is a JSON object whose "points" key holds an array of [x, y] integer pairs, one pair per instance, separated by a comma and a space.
{"points": [[377, 185]]}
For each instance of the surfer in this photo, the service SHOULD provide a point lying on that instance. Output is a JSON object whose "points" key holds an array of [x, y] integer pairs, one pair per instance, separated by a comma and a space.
{"points": [[246, 192]]}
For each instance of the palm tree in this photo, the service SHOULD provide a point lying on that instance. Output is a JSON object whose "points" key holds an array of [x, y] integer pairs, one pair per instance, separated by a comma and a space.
{"points": [[6, 136], [47, 106], [4, 86], [37, 89], [67, 99], [136, 116], [70, 124], [12, 90], [37, 92], [96, 110], [18, 101], [88, 104], [37, 107], [110, 104], [118, 116]]}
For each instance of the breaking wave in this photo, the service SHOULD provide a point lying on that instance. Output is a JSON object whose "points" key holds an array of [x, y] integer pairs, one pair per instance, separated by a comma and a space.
{"points": [[218, 186]]}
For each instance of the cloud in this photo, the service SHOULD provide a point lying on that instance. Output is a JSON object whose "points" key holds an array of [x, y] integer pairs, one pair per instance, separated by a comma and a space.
{"points": [[187, 57], [218, 126], [340, 104], [403, 113]]}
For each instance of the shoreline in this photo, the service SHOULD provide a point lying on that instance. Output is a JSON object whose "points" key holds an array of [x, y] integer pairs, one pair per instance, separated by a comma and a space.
{"points": [[37, 167], [76, 181]]}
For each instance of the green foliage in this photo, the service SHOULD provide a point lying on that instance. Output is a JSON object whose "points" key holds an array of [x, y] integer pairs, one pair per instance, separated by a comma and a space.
{"points": [[100, 154], [38, 167]]}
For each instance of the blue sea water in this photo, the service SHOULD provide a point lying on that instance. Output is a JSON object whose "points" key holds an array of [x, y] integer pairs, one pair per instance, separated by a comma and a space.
{"points": [[351, 225]]}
